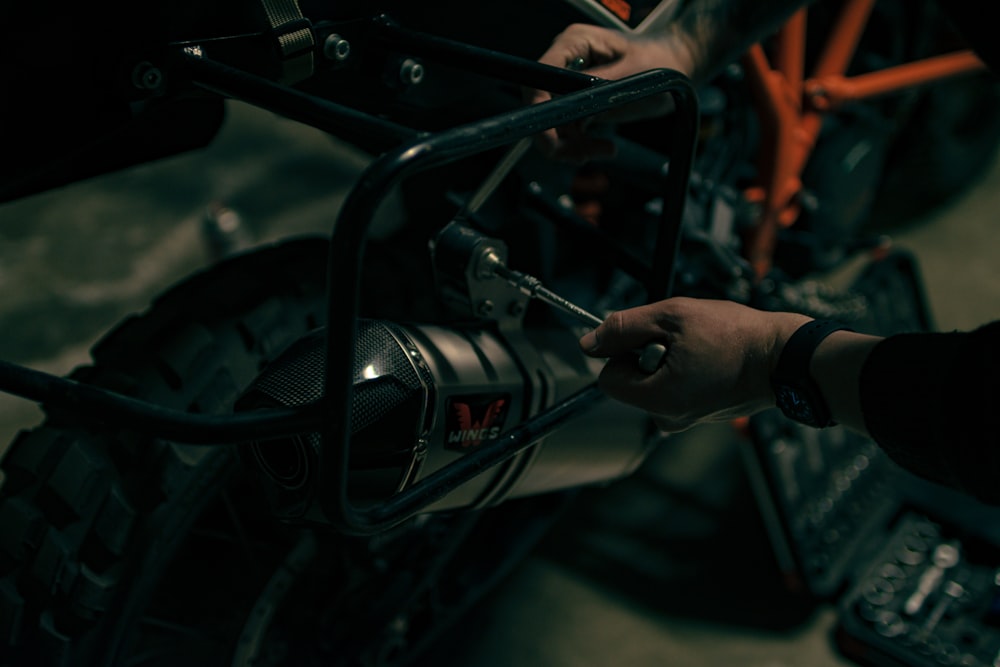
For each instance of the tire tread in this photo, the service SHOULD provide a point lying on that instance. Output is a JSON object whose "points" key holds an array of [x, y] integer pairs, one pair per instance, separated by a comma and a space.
{"points": [[81, 511]]}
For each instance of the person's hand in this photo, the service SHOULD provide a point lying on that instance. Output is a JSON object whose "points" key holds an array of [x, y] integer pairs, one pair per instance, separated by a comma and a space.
{"points": [[609, 54], [720, 356]]}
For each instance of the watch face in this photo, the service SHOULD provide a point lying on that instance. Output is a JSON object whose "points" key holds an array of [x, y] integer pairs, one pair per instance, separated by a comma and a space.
{"points": [[793, 404]]}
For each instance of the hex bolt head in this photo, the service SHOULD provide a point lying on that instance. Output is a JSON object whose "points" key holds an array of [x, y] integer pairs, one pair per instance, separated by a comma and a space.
{"points": [[411, 72], [485, 307], [146, 77], [336, 48]]}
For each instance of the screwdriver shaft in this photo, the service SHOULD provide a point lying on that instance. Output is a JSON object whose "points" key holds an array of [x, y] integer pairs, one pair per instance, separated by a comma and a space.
{"points": [[568, 307], [650, 357], [533, 287]]}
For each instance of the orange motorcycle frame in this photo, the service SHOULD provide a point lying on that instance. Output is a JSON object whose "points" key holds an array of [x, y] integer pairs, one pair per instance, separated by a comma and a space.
{"points": [[791, 107]]}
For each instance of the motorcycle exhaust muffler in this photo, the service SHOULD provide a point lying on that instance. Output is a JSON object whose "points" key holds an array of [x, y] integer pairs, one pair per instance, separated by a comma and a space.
{"points": [[424, 396]]}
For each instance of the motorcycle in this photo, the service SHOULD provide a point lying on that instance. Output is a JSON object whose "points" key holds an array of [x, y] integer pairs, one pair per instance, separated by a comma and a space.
{"points": [[327, 448]]}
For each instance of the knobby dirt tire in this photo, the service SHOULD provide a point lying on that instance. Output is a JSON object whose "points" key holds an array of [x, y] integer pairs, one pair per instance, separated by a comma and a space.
{"points": [[92, 519]]}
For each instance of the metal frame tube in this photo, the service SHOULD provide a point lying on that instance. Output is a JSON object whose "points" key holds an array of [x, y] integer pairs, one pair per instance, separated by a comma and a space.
{"points": [[100, 406], [348, 243], [371, 131], [583, 96], [486, 62]]}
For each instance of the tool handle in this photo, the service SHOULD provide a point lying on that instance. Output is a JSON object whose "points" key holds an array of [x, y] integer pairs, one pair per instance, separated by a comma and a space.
{"points": [[651, 357]]}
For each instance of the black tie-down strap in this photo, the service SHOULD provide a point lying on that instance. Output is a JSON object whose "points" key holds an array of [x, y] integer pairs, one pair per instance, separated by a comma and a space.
{"points": [[295, 38]]}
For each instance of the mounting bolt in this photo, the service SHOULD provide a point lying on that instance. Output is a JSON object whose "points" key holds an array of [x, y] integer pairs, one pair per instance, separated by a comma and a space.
{"points": [[336, 48], [411, 72], [485, 307], [516, 308], [487, 263], [146, 77]]}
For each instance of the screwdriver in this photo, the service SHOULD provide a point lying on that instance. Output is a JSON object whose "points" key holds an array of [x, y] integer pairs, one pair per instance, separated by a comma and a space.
{"points": [[650, 357]]}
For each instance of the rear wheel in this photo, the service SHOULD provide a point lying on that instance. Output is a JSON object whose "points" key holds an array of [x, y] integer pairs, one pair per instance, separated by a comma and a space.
{"points": [[119, 549], [92, 520]]}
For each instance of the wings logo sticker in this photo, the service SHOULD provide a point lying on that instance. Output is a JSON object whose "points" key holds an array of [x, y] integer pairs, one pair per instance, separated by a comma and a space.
{"points": [[472, 420]]}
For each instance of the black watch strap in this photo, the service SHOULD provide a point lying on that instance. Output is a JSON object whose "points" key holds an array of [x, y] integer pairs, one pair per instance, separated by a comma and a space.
{"points": [[795, 392]]}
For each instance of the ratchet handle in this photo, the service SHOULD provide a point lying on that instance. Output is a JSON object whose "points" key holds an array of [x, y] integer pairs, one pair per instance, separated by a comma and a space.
{"points": [[651, 357]]}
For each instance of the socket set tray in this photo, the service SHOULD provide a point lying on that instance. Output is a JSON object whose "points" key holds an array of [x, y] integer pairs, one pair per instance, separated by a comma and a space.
{"points": [[824, 493], [930, 597], [913, 568], [824, 496]]}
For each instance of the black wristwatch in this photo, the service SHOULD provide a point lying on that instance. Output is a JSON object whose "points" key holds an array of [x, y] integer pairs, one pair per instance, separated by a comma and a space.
{"points": [[797, 395]]}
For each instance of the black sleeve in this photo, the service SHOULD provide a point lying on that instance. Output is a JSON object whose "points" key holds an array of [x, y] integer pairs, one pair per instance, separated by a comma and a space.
{"points": [[931, 400]]}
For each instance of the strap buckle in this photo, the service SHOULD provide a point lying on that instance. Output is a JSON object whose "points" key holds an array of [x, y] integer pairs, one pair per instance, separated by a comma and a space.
{"points": [[294, 35]]}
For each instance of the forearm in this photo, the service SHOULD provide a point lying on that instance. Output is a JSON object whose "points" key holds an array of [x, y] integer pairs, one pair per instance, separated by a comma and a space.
{"points": [[718, 32]]}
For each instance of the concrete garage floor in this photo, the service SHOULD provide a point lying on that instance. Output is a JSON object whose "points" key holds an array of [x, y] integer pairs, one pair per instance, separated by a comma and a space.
{"points": [[73, 262]]}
